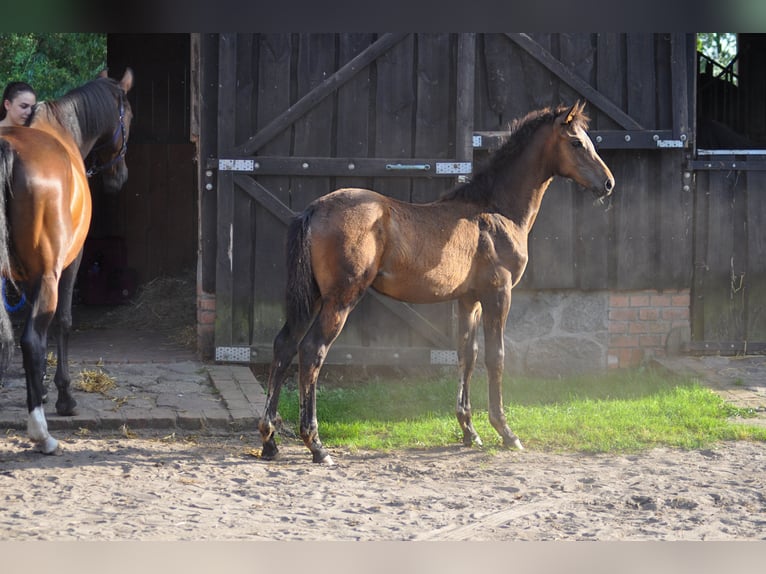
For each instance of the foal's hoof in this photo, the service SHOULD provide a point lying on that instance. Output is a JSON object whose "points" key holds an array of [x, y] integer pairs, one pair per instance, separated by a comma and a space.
{"points": [[513, 443], [326, 461], [269, 451], [321, 456], [471, 438]]}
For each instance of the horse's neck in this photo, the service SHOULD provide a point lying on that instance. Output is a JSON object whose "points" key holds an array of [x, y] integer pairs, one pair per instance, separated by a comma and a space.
{"points": [[69, 135], [521, 197], [521, 189]]}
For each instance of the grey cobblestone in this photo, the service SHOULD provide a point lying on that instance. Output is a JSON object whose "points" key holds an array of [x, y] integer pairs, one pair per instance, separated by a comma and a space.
{"points": [[159, 385]]}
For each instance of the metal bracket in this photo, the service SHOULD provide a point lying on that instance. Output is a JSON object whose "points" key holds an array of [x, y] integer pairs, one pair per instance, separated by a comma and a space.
{"points": [[670, 143], [232, 354], [454, 167], [236, 164], [443, 357]]}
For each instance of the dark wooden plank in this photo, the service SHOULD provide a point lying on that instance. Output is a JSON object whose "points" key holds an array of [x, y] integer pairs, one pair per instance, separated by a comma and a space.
{"points": [[276, 53], [723, 306], [314, 129], [208, 142], [551, 242], [353, 120], [634, 222], [278, 124], [543, 55], [540, 83], [642, 88], [227, 50], [700, 239], [501, 72], [593, 223], [674, 218], [576, 52], [610, 73], [755, 280], [663, 79], [434, 110], [466, 74], [394, 108]]}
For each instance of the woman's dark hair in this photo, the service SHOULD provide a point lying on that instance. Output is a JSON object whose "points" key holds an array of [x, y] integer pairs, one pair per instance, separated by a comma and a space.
{"points": [[12, 90]]}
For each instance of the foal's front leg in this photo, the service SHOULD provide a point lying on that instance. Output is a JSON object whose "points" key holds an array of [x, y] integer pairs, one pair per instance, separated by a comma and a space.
{"points": [[469, 316], [495, 314]]}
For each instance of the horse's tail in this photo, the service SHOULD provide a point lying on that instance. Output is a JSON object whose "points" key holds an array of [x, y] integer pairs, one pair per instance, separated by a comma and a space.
{"points": [[302, 289], [6, 329]]}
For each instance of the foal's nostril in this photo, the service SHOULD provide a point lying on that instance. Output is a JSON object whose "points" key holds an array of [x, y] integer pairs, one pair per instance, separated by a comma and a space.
{"points": [[609, 185]]}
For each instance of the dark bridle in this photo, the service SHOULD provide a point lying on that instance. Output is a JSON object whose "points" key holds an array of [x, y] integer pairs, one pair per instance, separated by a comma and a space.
{"points": [[119, 131]]}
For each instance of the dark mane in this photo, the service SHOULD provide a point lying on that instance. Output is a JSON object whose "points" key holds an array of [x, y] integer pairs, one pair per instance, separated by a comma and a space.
{"points": [[479, 189], [90, 106]]}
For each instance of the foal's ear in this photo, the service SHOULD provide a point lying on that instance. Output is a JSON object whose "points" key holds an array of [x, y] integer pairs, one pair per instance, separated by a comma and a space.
{"points": [[574, 111]]}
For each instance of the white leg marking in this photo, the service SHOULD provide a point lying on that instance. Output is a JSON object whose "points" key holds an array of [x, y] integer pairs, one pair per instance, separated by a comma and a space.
{"points": [[37, 429]]}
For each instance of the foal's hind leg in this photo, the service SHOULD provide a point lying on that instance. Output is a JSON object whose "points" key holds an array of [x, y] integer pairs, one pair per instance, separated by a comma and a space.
{"points": [[285, 349], [65, 405], [313, 351], [469, 316]]}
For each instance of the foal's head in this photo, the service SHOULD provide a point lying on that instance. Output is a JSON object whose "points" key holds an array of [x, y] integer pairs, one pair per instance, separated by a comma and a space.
{"points": [[573, 154]]}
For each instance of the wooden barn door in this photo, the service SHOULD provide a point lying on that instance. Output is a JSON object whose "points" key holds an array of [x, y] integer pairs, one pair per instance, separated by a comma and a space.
{"points": [[302, 114], [298, 115]]}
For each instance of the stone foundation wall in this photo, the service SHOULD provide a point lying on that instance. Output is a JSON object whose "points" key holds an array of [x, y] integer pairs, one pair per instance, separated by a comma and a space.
{"points": [[564, 333]]}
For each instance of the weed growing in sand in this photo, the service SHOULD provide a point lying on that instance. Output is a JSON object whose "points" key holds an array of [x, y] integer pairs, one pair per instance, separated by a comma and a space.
{"points": [[618, 412]]}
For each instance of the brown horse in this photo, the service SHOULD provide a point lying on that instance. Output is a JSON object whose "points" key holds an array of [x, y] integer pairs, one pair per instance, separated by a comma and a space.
{"points": [[471, 245], [45, 211]]}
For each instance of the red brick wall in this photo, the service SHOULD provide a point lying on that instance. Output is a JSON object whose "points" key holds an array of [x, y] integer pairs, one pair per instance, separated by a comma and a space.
{"points": [[640, 323]]}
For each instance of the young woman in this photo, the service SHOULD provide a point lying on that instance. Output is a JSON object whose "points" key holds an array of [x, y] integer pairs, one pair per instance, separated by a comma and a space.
{"points": [[19, 99]]}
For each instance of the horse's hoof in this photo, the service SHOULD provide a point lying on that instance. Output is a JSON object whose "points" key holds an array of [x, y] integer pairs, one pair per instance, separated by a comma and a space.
{"points": [[321, 456], [269, 451], [514, 443], [49, 446], [66, 408], [469, 440]]}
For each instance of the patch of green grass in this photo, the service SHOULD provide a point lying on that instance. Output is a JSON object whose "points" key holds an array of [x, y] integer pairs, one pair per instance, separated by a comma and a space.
{"points": [[619, 412]]}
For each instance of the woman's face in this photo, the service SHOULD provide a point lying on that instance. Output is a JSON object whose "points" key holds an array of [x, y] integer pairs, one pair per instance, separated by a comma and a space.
{"points": [[19, 109]]}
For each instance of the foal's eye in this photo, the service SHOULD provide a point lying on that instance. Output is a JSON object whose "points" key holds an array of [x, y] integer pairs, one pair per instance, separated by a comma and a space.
{"points": [[576, 143]]}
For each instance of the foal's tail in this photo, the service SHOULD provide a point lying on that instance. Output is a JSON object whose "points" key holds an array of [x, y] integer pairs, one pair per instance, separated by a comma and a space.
{"points": [[302, 289], [6, 329]]}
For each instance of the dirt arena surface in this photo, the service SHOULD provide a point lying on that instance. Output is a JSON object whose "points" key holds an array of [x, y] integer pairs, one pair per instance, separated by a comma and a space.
{"points": [[107, 487]]}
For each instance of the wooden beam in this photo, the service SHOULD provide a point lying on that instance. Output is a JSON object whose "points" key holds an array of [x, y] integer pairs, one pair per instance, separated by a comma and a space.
{"points": [[565, 74], [343, 75], [264, 197]]}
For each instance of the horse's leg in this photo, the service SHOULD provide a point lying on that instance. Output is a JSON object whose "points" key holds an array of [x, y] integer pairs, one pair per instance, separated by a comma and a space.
{"points": [[33, 347], [496, 307], [469, 316], [65, 404], [285, 349], [312, 353]]}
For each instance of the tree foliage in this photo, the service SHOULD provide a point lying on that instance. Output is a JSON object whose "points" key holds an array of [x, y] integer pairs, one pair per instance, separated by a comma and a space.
{"points": [[720, 47], [53, 63]]}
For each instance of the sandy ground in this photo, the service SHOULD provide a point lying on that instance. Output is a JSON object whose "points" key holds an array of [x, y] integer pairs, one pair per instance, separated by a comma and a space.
{"points": [[111, 487]]}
